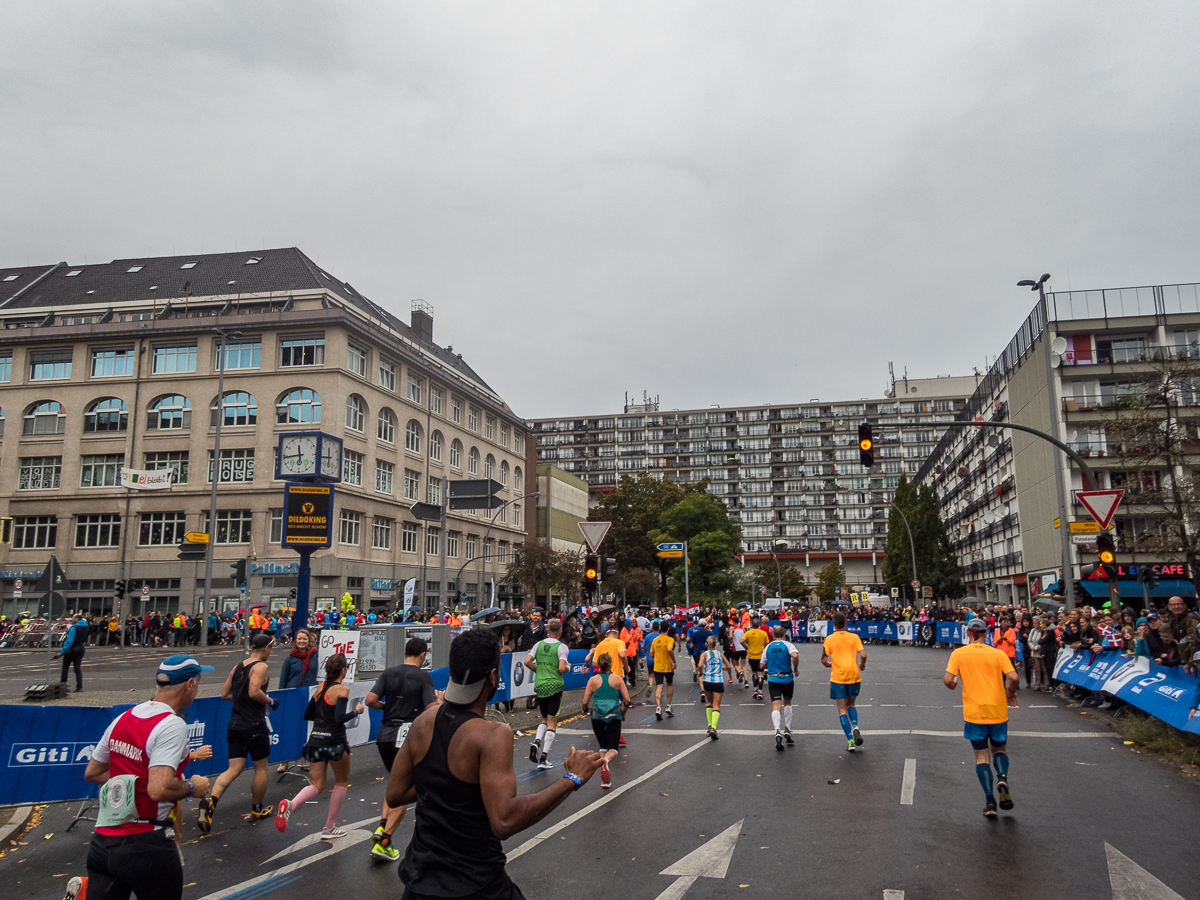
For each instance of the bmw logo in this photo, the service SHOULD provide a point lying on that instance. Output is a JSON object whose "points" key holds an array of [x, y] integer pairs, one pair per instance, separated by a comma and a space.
{"points": [[518, 674]]}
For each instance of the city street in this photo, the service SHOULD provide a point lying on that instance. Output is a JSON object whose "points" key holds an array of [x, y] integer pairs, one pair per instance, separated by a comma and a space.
{"points": [[902, 816]]}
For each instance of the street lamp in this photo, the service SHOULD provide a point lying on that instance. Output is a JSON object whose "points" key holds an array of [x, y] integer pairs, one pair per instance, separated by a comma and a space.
{"points": [[912, 547], [775, 546], [216, 477], [483, 566]]}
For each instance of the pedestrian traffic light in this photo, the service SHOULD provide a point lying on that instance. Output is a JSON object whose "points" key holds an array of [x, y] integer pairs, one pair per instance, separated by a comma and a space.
{"points": [[1106, 551], [866, 445], [239, 571], [120, 590], [590, 572], [608, 568]]}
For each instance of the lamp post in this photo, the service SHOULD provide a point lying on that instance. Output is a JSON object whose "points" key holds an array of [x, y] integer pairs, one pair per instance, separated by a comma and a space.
{"points": [[912, 547], [216, 477], [775, 545], [491, 522]]}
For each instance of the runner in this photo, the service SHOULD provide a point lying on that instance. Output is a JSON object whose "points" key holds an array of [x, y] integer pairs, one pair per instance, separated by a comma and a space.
{"points": [[738, 654], [548, 660], [652, 632], [606, 699], [697, 641], [248, 734], [989, 687], [714, 666], [611, 644], [403, 692], [755, 640], [663, 652], [327, 747], [843, 652], [781, 662]]}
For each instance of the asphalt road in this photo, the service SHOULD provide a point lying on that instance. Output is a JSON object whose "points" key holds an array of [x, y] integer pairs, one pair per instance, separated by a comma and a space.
{"points": [[774, 817]]}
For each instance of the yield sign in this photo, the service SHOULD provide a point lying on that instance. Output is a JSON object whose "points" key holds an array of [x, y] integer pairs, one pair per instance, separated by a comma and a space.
{"points": [[1101, 504], [594, 532]]}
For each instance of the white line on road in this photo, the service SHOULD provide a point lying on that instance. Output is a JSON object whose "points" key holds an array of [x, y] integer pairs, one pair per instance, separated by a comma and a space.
{"points": [[893, 895], [893, 704], [907, 785], [751, 732], [616, 792]]}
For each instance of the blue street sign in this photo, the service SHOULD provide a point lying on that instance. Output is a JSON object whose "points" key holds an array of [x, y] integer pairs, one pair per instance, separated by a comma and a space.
{"points": [[670, 546]]}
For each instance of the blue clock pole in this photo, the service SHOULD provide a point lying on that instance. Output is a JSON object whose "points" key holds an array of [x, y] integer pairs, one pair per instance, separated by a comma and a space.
{"points": [[300, 616]]}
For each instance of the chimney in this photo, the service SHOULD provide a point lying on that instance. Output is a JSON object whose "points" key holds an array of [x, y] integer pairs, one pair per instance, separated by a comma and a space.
{"points": [[422, 321]]}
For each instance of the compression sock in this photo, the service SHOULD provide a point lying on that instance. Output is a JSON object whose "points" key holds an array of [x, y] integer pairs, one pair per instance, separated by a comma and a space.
{"points": [[844, 721], [382, 825], [1000, 761], [716, 716], [853, 713], [541, 733], [787, 718], [335, 806], [308, 792], [708, 716], [984, 772], [775, 718], [549, 742]]}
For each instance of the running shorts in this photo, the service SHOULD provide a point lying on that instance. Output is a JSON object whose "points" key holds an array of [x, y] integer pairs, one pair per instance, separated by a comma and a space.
{"points": [[664, 677], [323, 753], [549, 706], [737, 655], [717, 687], [981, 735], [755, 664], [387, 752], [608, 733], [781, 690], [844, 691], [255, 743]]}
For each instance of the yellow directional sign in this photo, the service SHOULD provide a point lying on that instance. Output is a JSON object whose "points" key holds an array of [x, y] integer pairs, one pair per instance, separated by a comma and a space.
{"points": [[1057, 522], [1085, 527], [196, 537], [670, 554]]}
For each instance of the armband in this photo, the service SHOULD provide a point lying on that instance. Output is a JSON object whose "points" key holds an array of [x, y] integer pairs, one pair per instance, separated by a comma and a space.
{"points": [[578, 782]]}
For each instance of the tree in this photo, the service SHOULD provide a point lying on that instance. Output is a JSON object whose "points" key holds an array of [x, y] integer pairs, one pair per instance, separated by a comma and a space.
{"points": [[712, 537], [897, 569], [546, 570], [937, 563], [829, 576], [786, 580], [635, 586]]}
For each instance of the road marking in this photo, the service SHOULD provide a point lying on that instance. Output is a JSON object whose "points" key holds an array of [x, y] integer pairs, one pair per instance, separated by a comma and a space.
{"points": [[751, 732], [893, 704], [1043, 706], [595, 805], [893, 895], [907, 785], [709, 860], [1129, 881]]}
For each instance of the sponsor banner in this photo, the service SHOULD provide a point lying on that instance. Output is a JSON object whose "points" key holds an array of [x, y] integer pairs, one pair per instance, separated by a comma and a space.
{"points": [[904, 631], [692, 610], [574, 679], [1167, 693], [147, 479], [307, 514]]}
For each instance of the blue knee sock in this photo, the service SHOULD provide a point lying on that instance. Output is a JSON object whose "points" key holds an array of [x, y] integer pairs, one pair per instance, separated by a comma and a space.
{"points": [[845, 722], [1000, 761], [984, 772], [853, 716]]}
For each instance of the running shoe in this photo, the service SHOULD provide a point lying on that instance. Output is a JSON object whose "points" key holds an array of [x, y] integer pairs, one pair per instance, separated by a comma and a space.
{"points": [[533, 751], [76, 888], [1005, 796], [669, 713], [658, 713], [623, 741], [388, 852], [544, 763], [778, 741], [605, 774], [787, 737], [989, 808], [695, 676], [204, 823], [378, 833], [858, 741], [332, 834], [258, 815], [850, 746], [282, 814], [711, 731]]}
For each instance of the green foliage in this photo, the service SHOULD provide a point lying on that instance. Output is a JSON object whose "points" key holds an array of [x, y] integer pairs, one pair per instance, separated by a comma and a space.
{"points": [[829, 576], [546, 570], [634, 509], [937, 563], [712, 538], [787, 580]]}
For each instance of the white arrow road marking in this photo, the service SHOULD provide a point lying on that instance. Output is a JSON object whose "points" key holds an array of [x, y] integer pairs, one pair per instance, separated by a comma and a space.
{"points": [[709, 860], [1130, 881], [908, 783]]}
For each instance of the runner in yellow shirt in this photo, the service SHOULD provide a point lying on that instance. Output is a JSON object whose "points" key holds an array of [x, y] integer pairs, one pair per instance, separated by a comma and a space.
{"points": [[662, 651], [755, 640]]}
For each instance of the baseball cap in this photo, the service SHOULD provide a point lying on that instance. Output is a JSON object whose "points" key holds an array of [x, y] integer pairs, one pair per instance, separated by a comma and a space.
{"points": [[179, 668], [1151, 615], [977, 625], [460, 688], [260, 641]]}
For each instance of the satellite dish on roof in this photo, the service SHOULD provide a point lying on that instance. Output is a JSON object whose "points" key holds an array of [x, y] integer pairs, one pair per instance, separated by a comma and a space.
{"points": [[1058, 345], [1055, 360]]}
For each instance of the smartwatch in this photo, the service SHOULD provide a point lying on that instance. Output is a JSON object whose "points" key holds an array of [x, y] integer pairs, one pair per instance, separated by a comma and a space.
{"points": [[191, 787], [574, 778]]}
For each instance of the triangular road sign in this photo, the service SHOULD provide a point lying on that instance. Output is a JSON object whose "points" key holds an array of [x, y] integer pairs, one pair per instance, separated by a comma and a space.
{"points": [[53, 578], [1101, 504], [594, 532]]}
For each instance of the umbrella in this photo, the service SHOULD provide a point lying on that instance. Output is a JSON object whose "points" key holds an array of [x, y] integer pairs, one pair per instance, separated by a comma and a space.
{"points": [[484, 613], [744, 604], [606, 608], [517, 627], [841, 602]]}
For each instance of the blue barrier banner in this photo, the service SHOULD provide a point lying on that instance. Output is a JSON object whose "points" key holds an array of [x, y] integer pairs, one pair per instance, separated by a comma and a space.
{"points": [[45, 750], [1165, 692]]}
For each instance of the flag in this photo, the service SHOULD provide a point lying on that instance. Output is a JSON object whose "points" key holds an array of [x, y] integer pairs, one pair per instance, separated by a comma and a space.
{"points": [[687, 610], [410, 587]]}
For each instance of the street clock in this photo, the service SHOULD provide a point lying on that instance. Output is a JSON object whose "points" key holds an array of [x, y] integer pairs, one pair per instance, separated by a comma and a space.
{"points": [[309, 455]]}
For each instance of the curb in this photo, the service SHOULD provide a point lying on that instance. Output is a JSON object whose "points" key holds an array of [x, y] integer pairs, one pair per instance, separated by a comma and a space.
{"points": [[18, 822]]}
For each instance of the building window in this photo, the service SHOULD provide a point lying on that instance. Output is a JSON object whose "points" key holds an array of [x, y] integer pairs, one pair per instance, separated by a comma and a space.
{"points": [[408, 538], [276, 526], [111, 363], [489, 466], [435, 446], [503, 557], [34, 532], [161, 529], [350, 528], [385, 426], [109, 414], [518, 442], [472, 418], [302, 352], [356, 412], [472, 546], [387, 375], [381, 533], [177, 460], [452, 539], [99, 530], [502, 515], [504, 473], [473, 462], [456, 454], [301, 406], [239, 408], [100, 470], [247, 355], [433, 491], [384, 475], [6, 366], [233, 526], [356, 360], [518, 480], [414, 389], [504, 434], [236, 466], [412, 436], [49, 365], [435, 400], [171, 411], [45, 418], [412, 485], [516, 511], [455, 410], [168, 360], [433, 541], [352, 467], [489, 428], [39, 473]]}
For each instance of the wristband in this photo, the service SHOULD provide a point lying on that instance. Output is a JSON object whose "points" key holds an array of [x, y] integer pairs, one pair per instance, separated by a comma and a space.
{"points": [[191, 787], [574, 778]]}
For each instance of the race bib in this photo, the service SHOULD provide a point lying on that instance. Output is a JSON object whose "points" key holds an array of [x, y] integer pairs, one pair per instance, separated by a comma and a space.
{"points": [[118, 803], [402, 733]]}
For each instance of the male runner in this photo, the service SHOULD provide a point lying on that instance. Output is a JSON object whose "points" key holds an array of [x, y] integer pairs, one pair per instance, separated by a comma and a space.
{"points": [[548, 660], [843, 653], [248, 734], [755, 640], [663, 652], [403, 692], [781, 661], [737, 653], [988, 681], [697, 643]]}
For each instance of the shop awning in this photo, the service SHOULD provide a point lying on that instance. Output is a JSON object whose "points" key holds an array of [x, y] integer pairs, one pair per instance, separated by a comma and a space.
{"points": [[1099, 589]]}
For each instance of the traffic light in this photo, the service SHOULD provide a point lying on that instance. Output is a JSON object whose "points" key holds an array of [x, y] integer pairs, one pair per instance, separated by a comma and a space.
{"points": [[608, 568], [1146, 576], [6, 530], [866, 445], [1106, 551], [590, 572], [239, 571], [120, 590], [292, 594]]}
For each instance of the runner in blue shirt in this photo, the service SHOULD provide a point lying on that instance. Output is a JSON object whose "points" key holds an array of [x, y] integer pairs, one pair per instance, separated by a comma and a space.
{"points": [[781, 662]]}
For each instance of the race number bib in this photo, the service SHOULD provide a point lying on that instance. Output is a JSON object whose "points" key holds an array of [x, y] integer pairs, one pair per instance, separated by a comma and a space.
{"points": [[402, 733], [118, 803]]}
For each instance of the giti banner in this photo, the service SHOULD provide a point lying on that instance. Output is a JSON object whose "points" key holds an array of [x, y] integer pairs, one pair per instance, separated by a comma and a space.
{"points": [[307, 515]]}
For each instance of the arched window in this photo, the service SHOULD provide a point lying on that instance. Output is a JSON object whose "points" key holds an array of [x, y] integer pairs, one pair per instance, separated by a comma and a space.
{"points": [[385, 426], [238, 408], [504, 473], [518, 480], [46, 417], [473, 462], [356, 412], [170, 411], [489, 466], [109, 414], [298, 407], [412, 436], [435, 446], [456, 454]]}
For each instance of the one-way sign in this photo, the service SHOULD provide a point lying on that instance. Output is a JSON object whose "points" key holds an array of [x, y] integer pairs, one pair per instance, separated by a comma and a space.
{"points": [[667, 546]]}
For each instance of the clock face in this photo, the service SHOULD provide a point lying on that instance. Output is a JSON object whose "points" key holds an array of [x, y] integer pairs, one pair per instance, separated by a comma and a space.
{"points": [[298, 455], [331, 458]]}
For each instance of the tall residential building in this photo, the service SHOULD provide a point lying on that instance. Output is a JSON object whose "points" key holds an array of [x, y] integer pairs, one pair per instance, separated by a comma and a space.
{"points": [[113, 365], [789, 473], [1067, 371]]}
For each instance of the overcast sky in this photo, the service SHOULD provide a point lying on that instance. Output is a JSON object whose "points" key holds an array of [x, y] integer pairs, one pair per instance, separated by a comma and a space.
{"points": [[713, 202]]}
